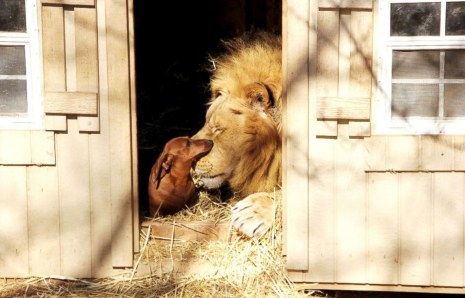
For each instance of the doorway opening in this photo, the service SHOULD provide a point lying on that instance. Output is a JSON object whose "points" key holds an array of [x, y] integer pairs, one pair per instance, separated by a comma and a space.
{"points": [[172, 79]]}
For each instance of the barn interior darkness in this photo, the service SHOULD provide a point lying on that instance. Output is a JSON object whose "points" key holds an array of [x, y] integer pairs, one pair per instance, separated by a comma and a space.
{"points": [[173, 41]]}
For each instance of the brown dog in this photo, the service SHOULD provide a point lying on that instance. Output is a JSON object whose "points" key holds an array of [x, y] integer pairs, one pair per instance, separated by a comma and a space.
{"points": [[170, 184]]}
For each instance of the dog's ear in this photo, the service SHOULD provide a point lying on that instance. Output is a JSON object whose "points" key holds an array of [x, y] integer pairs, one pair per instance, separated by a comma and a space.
{"points": [[259, 96], [161, 168]]}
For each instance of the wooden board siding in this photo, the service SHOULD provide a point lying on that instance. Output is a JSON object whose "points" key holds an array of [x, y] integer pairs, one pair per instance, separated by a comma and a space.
{"points": [[66, 194], [404, 229], [385, 212]]}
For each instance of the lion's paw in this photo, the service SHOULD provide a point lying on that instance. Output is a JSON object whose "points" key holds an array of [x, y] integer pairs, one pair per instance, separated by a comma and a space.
{"points": [[254, 214]]}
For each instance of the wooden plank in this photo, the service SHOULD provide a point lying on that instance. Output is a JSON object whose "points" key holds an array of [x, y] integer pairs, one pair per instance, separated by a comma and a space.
{"points": [[459, 153], [15, 147], [42, 148], [361, 53], [403, 153], [43, 221], [321, 217], [350, 184], [350, 108], [415, 205], [327, 55], [382, 229], [70, 2], [345, 4], [55, 123], [13, 222], [376, 156], [359, 129], [326, 128], [75, 212], [135, 159], [437, 153], [401, 290], [120, 133], [100, 178], [70, 49], [344, 53], [53, 48], [297, 135], [81, 103], [87, 61], [189, 231], [448, 230]]}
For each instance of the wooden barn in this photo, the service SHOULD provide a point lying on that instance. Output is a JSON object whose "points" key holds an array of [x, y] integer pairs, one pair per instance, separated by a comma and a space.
{"points": [[374, 177], [68, 177]]}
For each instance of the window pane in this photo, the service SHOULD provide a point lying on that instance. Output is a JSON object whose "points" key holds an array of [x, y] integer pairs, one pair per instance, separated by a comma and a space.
{"points": [[415, 19], [415, 64], [12, 16], [13, 96], [454, 100], [454, 67], [12, 60], [409, 100], [455, 18]]}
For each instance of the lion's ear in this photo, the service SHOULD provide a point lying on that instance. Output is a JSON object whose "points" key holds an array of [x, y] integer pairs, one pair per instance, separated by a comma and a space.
{"points": [[258, 94]]}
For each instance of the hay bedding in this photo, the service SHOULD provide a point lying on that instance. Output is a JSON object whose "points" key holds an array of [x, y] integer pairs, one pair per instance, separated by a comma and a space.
{"points": [[239, 267]]}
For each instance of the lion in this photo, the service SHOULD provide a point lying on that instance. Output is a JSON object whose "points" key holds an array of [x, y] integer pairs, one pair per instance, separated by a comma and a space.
{"points": [[243, 120]]}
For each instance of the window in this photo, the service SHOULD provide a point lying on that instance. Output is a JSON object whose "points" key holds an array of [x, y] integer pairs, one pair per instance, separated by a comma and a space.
{"points": [[421, 78], [20, 88]]}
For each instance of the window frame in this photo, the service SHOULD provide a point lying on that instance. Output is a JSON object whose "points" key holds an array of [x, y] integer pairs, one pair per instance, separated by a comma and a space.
{"points": [[33, 119], [384, 124]]}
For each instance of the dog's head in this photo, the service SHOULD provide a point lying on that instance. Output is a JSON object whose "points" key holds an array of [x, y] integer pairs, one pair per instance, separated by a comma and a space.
{"points": [[181, 150]]}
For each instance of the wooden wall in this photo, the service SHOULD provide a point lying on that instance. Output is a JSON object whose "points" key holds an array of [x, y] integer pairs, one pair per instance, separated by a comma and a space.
{"points": [[362, 211], [67, 193]]}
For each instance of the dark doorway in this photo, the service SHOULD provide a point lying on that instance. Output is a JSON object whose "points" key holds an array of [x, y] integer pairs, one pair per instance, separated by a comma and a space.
{"points": [[173, 40]]}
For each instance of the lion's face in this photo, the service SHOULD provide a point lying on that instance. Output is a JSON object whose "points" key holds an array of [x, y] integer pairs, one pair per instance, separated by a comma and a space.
{"points": [[244, 137]]}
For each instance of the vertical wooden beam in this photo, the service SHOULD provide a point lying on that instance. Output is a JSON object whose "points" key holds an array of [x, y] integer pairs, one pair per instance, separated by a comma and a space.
{"points": [[75, 209], [135, 171], [350, 209], [296, 133], [86, 61], [100, 177], [120, 132], [53, 49]]}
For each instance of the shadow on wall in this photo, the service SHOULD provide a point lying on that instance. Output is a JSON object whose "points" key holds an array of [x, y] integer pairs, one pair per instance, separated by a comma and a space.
{"points": [[172, 43]]}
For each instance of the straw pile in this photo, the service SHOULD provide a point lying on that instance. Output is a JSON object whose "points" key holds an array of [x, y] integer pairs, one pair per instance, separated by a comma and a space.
{"points": [[239, 267]]}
